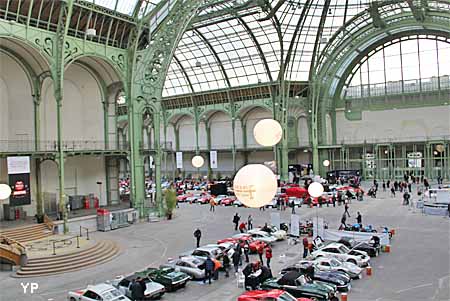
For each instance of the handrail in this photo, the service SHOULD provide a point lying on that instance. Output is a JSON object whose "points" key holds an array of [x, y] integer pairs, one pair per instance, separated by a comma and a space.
{"points": [[63, 240], [87, 232]]}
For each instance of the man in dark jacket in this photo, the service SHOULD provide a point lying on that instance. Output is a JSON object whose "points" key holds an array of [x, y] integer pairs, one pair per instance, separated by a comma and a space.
{"points": [[198, 235], [359, 219], [236, 219], [226, 264], [236, 259], [136, 290], [209, 269]]}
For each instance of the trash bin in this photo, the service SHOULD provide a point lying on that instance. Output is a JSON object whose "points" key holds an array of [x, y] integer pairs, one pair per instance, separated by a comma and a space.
{"points": [[103, 220]]}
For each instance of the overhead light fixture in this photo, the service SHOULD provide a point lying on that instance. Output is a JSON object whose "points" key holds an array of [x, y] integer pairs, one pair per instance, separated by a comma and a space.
{"points": [[268, 132], [309, 111], [198, 161]]}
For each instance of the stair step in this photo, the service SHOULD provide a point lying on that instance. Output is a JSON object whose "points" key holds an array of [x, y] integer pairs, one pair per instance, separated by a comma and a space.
{"points": [[67, 264], [24, 229], [67, 257], [109, 251]]}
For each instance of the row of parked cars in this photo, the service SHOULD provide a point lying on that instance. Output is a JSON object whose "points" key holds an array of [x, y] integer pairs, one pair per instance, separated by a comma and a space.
{"points": [[176, 273], [329, 269]]}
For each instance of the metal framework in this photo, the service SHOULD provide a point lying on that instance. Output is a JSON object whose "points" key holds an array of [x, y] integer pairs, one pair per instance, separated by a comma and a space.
{"points": [[173, 58]]}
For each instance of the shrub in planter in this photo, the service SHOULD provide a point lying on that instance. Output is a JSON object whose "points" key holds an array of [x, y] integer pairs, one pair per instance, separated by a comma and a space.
{"points": [[170, 197]]}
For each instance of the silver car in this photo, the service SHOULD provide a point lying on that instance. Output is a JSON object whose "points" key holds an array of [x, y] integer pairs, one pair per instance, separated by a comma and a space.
{"points": [[152, 289], [191, 265]]}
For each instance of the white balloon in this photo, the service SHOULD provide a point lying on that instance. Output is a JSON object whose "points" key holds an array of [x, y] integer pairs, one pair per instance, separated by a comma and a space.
{"points": [[255, 185], [315, 189], [5, 191], [198, 161], [326, 163], [268, 132]]}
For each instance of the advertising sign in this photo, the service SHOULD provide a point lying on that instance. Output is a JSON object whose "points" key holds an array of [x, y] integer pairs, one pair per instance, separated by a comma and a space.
{"points": [[19, 180], [275, 219], [213, 159]]}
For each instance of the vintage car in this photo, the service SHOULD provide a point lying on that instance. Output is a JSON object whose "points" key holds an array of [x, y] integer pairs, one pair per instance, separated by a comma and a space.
{"points": [[341, 252], [183, 198], [203, 200], [153, 289], [169, 277], [274, 231], [273, 295], [262, 236], [298, 286], [103, 292], [191, 265], [242, 239], [272, 204], [341, 279], [333, 264], [219, 198], [228, 201], [370, 249], [213, 251]]}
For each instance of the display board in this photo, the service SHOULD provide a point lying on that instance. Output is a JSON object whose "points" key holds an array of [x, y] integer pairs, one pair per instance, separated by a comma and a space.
{"points": [[275, 219], [213, 159], [19, 180]]}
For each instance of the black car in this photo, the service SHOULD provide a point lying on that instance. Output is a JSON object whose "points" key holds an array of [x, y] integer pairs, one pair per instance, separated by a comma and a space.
{"points": [[340, 279], [372, 249]]}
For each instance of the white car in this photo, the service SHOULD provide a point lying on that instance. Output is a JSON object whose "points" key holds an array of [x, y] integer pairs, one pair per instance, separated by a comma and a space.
{"points": [[103, 292], [341, 252], [152, 289], [262, 236], [273, 231], [333, 264]]}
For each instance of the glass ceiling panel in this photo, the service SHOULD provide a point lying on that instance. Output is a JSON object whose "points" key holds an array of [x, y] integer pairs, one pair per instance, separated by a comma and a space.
{"points": [[127, 6]]}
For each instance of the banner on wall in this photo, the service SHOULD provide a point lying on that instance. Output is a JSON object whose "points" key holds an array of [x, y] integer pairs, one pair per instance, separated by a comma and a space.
{"points": [[19, 180], [179, 156], [318, 227], [213, 159]]}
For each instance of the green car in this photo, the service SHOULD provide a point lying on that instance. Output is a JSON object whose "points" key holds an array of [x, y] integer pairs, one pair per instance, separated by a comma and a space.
{"points": [[169, 277], [300, 287]]}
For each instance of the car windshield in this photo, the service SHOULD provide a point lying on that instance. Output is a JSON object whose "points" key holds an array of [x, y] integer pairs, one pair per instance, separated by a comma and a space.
{"points": [[344, 249], [335, 262], [112, 294], [286, 297]]}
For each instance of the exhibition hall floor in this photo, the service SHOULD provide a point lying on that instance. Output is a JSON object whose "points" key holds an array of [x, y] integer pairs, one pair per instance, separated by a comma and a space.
{"points": [[418, 267]]}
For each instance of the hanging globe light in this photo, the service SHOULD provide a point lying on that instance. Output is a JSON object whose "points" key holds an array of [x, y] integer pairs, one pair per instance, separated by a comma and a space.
{"points": [[5, 191], [326, 163], [255, 185], [197, 161], [315, 189], [267, 132]]}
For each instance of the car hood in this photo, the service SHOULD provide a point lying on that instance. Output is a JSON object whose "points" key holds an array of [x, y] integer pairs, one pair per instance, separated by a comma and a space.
{"points": [[175, 276], [152, 287], [352, 267], [335, 278]]}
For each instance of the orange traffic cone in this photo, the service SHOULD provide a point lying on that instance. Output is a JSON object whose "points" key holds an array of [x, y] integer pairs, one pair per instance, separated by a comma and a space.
{"points": [[369, 271], [344, 297], [387, 248]]}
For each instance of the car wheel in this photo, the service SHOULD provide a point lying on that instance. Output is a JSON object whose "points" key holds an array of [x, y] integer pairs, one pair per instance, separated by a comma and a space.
{"points": [[72, 299], [352, 261]]}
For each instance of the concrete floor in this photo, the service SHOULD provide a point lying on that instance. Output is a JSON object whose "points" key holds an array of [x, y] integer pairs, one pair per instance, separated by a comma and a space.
{"points": [[418, 267]]}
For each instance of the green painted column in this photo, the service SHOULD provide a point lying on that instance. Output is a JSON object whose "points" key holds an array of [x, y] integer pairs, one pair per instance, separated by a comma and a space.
{"points": [[233, 147], [159, 198], [208, 144]]}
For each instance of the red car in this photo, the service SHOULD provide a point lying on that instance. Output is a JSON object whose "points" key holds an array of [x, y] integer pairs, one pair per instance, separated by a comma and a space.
{"points": [[183, 198], [227, 202], [253, 244], [203, 200], [275, 295], [298, 192]]}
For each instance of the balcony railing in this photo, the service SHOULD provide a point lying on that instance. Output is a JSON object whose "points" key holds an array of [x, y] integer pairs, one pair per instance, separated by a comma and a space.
{"points": [[20, 146]]}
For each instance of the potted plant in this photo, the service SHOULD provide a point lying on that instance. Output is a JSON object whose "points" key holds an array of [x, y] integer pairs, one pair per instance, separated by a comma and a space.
{"points": [[170, 197]]}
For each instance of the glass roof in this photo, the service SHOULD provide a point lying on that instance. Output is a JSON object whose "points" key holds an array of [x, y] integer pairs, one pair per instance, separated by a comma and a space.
{"points": [[127, 6], [243, 50]]}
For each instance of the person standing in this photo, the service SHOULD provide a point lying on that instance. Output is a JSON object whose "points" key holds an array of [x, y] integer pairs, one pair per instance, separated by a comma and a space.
{"points": [[236, 258], [250, 222], [305, 247], [246, 251], [143, 287], [388, 184], [198, 235], [346, 209], [226, 264], [209, 268], [293, 207], [333, 297], [260, 253], [268, 255], [136, 289], [212, 204], [384, 186], [344, 221], [359, 219], [448, 208], [242, 227], [236, 219], [393, 191]]}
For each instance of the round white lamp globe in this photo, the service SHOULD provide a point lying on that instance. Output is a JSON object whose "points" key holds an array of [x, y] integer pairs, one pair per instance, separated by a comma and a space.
{"points": [[5, 191], [315, 189], [326, 163], [255, 185], [197, 161], [268, 132]]}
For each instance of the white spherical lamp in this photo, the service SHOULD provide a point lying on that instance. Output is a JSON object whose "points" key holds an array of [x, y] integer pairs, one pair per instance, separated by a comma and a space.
{"points": [[5, 191], [255, 185], [326, 163], [197, 161], [315, 189], [268, 132]]}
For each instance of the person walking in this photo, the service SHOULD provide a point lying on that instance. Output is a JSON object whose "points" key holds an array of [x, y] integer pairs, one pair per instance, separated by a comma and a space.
{"points": [[250, 222], [388, 183], [212, 204], [143, 287], [226, 264], [346, 209], [209, 269], [333, 199], [359, 220], [236, 219], [344, 221], [393, 191], [242, 227], [448, 208], [384, 186], [305, 247], [198, 235], [246, 251], [293, 207], [236, 258], [268, 256], [260, 253]]}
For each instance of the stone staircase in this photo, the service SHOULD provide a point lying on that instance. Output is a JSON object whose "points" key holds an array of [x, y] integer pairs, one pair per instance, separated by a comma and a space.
{"points": [[99, 253], [28, 233]]}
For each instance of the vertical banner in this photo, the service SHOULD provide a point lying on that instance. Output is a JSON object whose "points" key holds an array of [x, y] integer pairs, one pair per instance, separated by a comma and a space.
{"points": [[318, 227], [19, 180], [275, 219], [213, 159], [295, 225], [179, 159]]}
